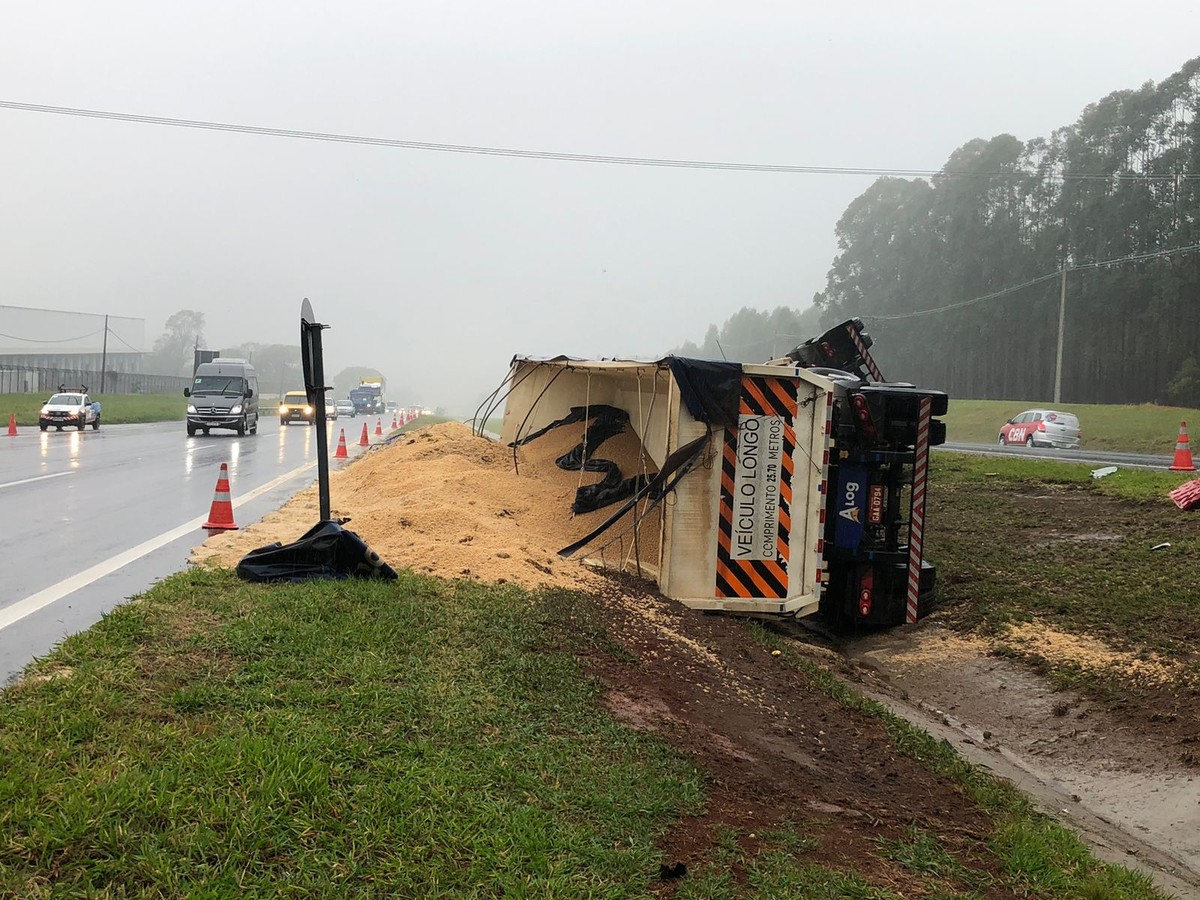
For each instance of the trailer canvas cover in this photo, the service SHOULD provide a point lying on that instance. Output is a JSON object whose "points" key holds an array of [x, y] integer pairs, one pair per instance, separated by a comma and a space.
{"points": [[741, 452]]}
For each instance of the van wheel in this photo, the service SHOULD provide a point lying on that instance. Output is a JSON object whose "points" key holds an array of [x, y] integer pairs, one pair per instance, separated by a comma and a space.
{"points": [[43, 427], [82, 424], [254, 427], [191, 430], [241, 429]]}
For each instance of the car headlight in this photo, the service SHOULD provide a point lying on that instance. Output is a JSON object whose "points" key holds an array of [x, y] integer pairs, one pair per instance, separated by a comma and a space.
{"points": [[45, 411], [191, 409], [235, 410], [282, 408]]}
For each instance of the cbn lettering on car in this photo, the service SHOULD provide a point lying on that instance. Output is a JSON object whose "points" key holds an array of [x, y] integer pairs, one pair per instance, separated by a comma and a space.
{"points": [[1041, 428]]}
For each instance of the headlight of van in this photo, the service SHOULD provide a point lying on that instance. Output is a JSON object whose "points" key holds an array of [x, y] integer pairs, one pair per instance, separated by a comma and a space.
{"points": [[236, 410], [191, 409], [282, 409], [308, 410]]}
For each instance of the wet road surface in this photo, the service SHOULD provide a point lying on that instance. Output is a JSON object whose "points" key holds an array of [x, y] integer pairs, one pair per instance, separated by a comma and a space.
{"points": [[90, 518]]}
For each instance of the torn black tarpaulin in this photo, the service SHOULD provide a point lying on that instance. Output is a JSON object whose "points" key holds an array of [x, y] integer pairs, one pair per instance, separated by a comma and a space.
{"points": [[327, 550], [710, 390], [604, 422]]}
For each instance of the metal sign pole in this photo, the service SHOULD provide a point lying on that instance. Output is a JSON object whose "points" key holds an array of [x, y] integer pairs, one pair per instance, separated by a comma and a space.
{"points": [[314, 385]]}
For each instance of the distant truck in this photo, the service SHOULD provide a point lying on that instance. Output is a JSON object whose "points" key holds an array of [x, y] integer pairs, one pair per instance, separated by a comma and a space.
{"points": [[368, 397]]}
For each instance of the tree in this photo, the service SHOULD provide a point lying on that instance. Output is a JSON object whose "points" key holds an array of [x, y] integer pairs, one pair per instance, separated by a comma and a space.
{"points": [[278, 365], [173, 354]]}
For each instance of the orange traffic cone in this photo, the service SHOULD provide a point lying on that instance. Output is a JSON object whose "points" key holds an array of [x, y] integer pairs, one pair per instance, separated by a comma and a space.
{"points": [[12, 425], [220, 516], [379, 426], [1183, 452], [394, 425], [341, 453], [364, 440]]}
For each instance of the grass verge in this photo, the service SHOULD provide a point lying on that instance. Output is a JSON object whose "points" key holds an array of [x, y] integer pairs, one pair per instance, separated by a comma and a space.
{"points": [[419, 739], [116, 409], [1141, 428]]}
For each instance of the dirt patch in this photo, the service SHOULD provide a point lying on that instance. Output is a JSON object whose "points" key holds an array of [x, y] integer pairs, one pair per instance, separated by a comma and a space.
{"points": [[774, 750], [1092, 655]]}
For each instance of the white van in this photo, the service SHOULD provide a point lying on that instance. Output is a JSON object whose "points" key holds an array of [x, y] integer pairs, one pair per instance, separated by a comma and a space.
{"points": [[224, 394]]}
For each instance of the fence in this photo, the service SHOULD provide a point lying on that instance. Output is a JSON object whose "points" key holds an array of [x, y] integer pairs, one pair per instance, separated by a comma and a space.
{"points": [[39, 380]]}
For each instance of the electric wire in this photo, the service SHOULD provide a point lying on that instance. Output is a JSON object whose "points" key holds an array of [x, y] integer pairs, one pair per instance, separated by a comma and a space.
{"points": [[1100, 264], [480, 150]]}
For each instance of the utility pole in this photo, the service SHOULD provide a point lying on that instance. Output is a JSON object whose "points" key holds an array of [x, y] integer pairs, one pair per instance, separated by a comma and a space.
{"points": [[1062, 316], [104, 355]]}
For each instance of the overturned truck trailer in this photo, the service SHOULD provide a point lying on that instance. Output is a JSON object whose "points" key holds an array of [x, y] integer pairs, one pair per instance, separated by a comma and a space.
{"points": [[785, 488]]}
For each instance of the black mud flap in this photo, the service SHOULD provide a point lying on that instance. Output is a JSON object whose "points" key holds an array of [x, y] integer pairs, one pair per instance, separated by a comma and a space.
{"points": [[327, 550]]}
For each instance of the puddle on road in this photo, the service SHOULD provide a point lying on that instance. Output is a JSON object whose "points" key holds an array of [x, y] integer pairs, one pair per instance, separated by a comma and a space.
{"points": [[1070, 754]]}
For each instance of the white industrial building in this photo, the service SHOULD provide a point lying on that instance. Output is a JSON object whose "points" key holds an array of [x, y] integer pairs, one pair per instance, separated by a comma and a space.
{"points": [[41, 348], [57, 339]]}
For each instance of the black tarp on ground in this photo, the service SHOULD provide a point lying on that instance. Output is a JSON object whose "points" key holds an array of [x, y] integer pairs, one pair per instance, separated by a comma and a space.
{"points": [[325, 551]]}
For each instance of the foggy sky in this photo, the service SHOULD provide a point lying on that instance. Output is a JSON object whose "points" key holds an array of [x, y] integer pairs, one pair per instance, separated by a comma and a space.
{"points": [[437, 268]]}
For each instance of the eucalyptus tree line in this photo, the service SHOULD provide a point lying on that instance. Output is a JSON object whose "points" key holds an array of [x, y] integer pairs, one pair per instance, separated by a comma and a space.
{"points": [[1123, 180]]}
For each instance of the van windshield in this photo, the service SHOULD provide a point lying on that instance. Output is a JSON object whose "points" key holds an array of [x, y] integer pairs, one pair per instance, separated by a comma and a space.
{"points": [[219, 384]]}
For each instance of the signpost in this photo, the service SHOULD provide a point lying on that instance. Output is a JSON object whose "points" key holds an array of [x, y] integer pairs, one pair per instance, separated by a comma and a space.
{"points": [[314, 385]]}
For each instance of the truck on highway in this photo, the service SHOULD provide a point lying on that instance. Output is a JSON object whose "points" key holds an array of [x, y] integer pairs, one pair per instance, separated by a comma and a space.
{"points": [[368, 396], [797, 486]]}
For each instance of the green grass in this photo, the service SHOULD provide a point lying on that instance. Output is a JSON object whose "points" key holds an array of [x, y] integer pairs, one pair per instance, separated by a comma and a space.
{"points": [[1134, 429], [419, 739], [116, 409]]}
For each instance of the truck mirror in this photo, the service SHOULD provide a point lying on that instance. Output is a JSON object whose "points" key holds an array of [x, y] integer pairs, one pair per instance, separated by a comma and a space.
{"points": [[187, 392]]}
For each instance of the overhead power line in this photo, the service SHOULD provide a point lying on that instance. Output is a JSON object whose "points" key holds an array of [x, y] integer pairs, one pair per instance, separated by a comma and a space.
{"points": [[562, 157], [13, 337], [1119, 260]]}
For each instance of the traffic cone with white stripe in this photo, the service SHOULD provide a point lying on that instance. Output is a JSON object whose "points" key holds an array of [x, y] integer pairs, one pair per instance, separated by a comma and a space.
{"points": [[394, 425], [379, 426], [364, 441], [341, 453], [12, 424], [220, 516], [1183, 452]]}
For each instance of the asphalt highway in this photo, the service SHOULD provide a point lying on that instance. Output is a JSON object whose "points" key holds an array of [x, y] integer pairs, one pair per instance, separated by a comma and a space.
{"points": [[91, 518], [1092, 457]]}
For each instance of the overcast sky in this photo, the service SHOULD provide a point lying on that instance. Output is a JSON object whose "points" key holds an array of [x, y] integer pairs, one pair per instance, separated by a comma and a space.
{"points": [[437, 268]]}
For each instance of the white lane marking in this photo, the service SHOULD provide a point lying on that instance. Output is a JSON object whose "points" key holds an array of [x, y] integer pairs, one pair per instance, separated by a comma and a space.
{"points": [[38, 478], [43, 598]]}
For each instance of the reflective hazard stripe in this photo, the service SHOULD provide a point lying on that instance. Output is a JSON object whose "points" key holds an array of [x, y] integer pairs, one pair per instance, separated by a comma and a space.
{"points": [[916, 525]]}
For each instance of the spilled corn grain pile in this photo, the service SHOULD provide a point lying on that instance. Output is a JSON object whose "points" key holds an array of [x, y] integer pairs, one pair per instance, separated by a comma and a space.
{"points": [[444, 502]]}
